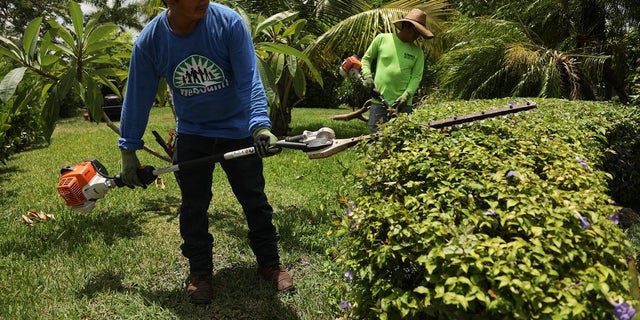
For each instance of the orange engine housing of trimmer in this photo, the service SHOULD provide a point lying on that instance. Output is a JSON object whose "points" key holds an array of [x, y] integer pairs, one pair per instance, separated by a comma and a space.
{"points": [[351, 66], [73, 181]]}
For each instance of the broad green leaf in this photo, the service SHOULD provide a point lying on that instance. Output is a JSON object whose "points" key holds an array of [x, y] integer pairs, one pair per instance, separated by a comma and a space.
{"points": [[66, 83], [268, 82], [295, 28], [76, 18], [93, 21], [69, 43], [93, 98], [30, 37], [97, 35], [292, 65], [300, 83], [10, 83], [45, 57], [23, 100], [284, 49], [278, 65], [49, 115], [274, 19], [10, 50]]}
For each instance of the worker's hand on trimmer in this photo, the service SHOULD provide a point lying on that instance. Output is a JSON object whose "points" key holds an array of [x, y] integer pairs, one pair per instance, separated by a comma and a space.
{"points": [[367, 82], [265, 142], [129, 168], [401, 102]]}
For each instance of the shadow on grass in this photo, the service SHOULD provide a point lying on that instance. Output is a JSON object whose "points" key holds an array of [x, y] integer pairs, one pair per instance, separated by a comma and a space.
{"points": [[302, 229], [238, 294], [298, 228], [7, 194], [163, 207], [73, 232]]}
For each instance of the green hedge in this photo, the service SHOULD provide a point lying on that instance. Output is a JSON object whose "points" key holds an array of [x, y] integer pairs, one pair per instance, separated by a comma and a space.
{"points": [[504, 219]]}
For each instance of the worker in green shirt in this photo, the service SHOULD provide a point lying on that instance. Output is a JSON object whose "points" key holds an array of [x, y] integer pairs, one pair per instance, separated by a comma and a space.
{"points": [[399, 64]]}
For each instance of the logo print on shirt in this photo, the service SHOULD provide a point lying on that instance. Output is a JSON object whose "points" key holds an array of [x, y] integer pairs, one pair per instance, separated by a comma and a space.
{"points": [[197, 74]]}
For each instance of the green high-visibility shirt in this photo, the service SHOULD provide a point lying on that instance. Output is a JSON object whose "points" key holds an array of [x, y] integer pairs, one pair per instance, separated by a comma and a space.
{"points": [[398, 66]]}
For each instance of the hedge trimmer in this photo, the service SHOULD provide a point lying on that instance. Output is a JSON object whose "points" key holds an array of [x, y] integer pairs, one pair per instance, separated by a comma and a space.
{"points": [[83, 184]]}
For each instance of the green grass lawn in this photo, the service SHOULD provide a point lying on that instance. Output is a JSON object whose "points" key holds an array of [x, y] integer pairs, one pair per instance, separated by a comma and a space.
{"points": [[122, 260]]}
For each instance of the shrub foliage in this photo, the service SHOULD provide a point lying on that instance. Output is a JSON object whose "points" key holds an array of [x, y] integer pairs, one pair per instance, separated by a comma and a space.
{"points": [[504, 219]]}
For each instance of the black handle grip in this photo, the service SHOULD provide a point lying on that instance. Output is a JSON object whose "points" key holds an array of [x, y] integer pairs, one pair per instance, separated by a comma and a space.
{"points": [[145, 174], [375, 92]]}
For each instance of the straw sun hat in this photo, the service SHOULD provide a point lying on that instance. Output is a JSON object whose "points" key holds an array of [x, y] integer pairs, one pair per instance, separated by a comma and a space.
{"points": [[418, 18]]}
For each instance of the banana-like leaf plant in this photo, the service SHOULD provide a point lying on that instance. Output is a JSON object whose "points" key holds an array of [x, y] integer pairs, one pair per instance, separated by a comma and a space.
{"points": [[284, 68], [67, 60]]}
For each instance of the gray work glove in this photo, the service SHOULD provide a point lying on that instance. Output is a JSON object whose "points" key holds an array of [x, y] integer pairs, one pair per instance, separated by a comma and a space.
{"points": [[129, 168], [368, 82], [264, 142]]}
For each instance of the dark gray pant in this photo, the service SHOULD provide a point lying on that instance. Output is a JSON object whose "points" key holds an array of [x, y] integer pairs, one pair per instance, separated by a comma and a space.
{"points": [[247, 182], [378, 115]]}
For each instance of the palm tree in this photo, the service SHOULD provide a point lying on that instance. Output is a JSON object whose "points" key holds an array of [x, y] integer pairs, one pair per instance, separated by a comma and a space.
{"points": [[496, 58], [125, 14], [352, 25], [545, 48]]}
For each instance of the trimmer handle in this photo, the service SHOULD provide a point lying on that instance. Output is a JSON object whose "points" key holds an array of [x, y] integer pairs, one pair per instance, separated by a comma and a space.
{"points": [[145, 174], [392, 109]]}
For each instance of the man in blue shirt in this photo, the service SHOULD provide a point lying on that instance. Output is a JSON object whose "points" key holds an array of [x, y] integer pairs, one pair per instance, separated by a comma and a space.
{"points": [[206, 54]]}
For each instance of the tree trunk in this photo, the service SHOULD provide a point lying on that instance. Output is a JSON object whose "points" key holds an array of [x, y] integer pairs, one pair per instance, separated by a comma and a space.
{"points": [[614, 83], [280, 120]]}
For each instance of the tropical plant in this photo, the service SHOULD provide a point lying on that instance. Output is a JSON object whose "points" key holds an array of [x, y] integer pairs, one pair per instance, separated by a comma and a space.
{"points": [[570, 49], [283, 67], [67, 61], [496, 58]]}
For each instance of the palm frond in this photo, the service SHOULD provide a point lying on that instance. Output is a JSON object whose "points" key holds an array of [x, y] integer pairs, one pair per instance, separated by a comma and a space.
{"points": [[352, 35], [492, 85], [476, 66], [518, 58], [552, 82], [332, 12]]}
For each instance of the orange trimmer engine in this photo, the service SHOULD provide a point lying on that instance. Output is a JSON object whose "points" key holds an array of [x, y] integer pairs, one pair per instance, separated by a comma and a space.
{"points": [[351, 67], [83, 184]]}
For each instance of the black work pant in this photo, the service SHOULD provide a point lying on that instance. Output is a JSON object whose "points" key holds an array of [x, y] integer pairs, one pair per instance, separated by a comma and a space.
{"points": [[247, 182]]}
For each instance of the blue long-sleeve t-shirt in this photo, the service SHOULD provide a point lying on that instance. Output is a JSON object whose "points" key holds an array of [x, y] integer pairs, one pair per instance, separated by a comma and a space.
{"points": [[212, 72]]}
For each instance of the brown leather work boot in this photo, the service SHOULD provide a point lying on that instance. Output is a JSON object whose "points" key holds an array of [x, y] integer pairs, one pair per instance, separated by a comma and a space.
{"points": [[277, 275], [200, 289]]}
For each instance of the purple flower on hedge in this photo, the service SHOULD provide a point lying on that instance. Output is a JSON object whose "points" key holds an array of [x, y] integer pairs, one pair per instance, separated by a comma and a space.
{"points": [[350, 207], [614, 217], [490, 213], [349, 275], [584, 164], [585, 222], [512, 173], [344, 304], [624, 311]]}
